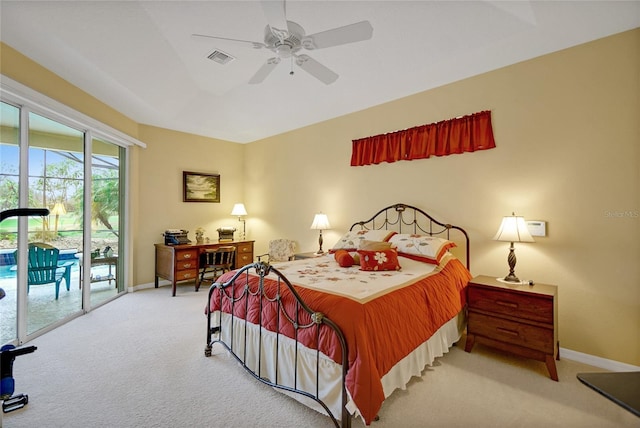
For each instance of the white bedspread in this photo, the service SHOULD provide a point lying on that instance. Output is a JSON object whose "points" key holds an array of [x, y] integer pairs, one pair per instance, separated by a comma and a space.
{"points": [[324, 274]]}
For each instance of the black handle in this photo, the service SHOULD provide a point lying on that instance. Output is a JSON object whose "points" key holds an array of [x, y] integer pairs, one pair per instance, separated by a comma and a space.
{"points": [[23, 212]]}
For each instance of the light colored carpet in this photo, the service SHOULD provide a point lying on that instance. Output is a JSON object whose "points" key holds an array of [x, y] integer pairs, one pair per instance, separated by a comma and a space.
{"points": [[139, 362]]}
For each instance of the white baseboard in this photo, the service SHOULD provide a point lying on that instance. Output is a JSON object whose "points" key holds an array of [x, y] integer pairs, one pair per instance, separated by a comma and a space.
{"points": [[139, 287], [592, 360]]}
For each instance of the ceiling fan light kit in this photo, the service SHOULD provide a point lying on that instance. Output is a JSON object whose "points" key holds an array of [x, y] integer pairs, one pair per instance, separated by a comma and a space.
{"points": [[286, 43]]}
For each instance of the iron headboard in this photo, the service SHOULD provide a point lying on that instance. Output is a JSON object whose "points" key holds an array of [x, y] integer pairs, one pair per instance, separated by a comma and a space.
{"points": [[403, 218]]}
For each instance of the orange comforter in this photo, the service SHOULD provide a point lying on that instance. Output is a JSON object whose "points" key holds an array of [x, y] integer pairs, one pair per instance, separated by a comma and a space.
{"points": [[379, 333]]}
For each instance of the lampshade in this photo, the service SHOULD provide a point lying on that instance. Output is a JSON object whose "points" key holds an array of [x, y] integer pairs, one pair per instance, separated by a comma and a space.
{"points": [[320, 222], [239, 210], [513, 229]]}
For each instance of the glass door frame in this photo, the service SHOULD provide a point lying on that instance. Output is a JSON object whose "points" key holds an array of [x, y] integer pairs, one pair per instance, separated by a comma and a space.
{"points": [[30, 101]]}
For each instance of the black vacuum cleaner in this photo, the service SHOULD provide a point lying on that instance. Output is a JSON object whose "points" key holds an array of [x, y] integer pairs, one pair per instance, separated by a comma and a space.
{"points": [[8, 353]]}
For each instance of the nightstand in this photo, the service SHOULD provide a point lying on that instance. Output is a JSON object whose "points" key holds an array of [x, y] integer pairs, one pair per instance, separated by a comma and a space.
{"points": [[521, 319], [309, 255]]}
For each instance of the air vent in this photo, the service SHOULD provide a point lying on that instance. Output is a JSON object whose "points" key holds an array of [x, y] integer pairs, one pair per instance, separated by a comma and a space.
{"points": [[220, 57]]}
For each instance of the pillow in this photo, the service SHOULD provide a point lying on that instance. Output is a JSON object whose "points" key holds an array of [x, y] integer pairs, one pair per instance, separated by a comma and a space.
{"points": [[379, 260], [374, 245], [343, 258], [351, 240], [424, 248]]}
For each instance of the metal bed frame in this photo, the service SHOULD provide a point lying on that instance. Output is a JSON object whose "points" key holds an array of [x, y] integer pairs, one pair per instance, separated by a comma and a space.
{"points": [[411, 218], [315, 322], [395, 217]]}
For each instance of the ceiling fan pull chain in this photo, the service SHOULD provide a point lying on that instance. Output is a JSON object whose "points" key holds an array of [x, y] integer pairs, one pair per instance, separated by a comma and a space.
{"points": [[291, 72]]}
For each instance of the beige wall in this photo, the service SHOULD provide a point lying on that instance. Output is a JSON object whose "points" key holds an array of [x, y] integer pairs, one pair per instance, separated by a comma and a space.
{"points": [[568, 152], [567, 129], [160, 205]]}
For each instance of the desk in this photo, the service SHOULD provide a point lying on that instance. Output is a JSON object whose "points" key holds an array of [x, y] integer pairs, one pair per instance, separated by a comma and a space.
{"points": [[182, 262], [623, 388]]}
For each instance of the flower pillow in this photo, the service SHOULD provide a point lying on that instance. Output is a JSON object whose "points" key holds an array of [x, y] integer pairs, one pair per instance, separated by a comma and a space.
{"points": [[379, 260], [351, 240], [425, 248]]}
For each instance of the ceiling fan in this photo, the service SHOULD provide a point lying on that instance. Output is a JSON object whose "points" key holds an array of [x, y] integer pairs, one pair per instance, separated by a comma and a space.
{"points": [[287, 38]]}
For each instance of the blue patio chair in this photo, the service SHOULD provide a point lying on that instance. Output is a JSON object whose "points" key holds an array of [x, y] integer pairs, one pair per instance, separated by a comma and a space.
{"points": [[43, 267]]}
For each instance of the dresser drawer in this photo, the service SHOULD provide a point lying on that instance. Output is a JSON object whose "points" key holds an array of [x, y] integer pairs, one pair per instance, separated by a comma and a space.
{"points": [[526, 306], [186, 264], [244, 254], [525, 335], [186, 274], [191, 254], [245, 248]]}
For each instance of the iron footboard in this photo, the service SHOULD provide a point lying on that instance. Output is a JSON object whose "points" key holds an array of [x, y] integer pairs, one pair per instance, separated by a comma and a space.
{"points": [[293, 315]]}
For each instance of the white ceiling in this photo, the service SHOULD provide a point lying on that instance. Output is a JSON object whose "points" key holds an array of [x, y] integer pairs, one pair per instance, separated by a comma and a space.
{"points": [[140, 58]]}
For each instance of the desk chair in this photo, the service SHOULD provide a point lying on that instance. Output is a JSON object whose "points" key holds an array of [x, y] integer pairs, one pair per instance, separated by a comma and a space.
{"points": [[217, 261]]}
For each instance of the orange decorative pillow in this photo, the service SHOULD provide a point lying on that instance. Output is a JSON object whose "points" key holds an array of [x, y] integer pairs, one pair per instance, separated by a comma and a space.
{"points": [[379, 260], [343, 258]]}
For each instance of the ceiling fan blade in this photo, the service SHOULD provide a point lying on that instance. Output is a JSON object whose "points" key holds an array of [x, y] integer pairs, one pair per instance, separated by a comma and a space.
{"points": [[275, 12], [316, 69], [265, 70], [339, 36], [255, 45]]}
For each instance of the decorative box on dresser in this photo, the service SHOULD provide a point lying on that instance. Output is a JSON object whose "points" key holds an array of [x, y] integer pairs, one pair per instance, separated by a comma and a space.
{"points": [[177, 263], [521, 319]]}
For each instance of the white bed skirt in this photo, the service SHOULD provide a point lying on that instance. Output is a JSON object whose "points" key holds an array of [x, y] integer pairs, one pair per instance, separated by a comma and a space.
{"points": [[330, 373]]}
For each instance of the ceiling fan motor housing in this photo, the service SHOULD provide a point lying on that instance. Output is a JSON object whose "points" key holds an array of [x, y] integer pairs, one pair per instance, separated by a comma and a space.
{"points": [[284, 43]]}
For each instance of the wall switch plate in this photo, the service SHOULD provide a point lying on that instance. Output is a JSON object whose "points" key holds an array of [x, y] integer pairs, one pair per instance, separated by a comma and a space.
{"points": [[537, 227]]}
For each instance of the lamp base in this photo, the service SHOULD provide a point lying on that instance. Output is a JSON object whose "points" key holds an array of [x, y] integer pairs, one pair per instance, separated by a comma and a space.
{"points": [[319, 253], [512, 278]]}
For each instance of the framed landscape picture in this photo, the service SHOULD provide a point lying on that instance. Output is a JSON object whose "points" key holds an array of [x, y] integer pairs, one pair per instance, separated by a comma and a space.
{"points": [[200, 187]]}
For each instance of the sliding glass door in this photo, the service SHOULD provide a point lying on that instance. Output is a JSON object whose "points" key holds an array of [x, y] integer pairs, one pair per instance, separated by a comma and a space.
{"points": [[55, 181], [9, 182], [105, 274], [48, 164]]}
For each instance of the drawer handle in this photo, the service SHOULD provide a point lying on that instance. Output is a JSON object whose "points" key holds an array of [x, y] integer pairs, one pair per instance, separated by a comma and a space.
{"points": [[506, 331], [509, 304], [187, 256], [187, 265], [187, 275]]}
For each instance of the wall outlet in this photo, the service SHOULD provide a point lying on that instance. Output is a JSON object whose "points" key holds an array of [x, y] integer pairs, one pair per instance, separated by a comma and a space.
{"points": [[537, 227]]}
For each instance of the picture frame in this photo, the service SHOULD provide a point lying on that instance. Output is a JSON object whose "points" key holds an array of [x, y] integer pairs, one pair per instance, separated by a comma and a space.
{"points": [[200, 187]]}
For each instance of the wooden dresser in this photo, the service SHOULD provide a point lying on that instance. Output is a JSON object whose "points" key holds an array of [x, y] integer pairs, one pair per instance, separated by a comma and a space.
{"points": [[182, 262], [521, 319]]}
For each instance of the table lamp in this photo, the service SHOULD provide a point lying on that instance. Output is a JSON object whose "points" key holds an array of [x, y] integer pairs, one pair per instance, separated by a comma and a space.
{"points": [[513, 229], [240, 211], [320, 222]]}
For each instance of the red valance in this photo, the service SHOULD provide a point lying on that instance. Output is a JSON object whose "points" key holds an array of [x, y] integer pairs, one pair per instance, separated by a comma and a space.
{"points": [[463, 134]]}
